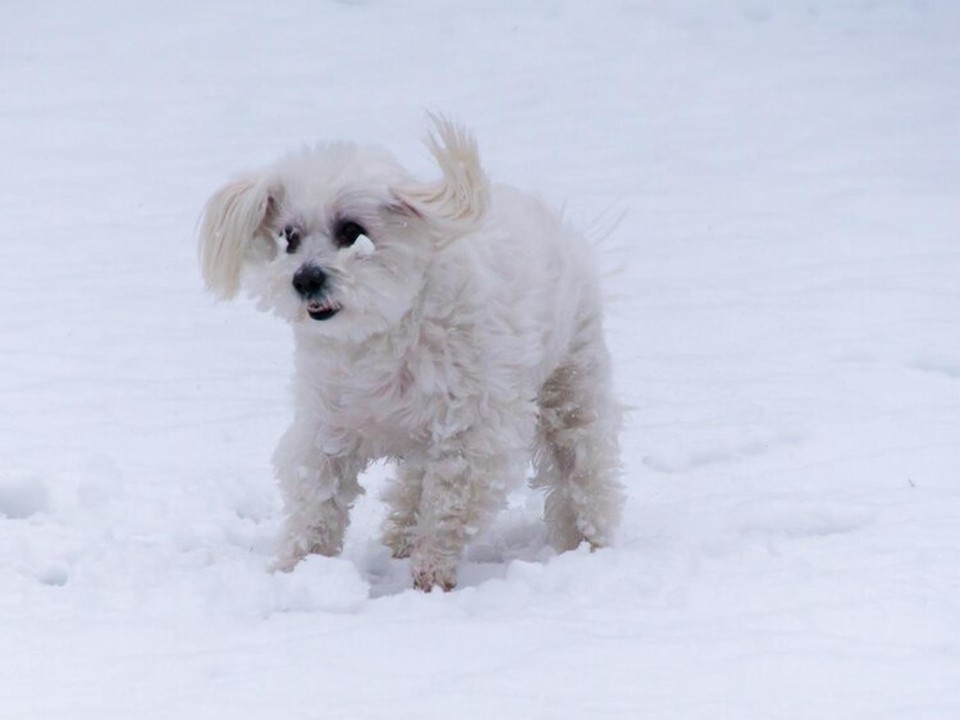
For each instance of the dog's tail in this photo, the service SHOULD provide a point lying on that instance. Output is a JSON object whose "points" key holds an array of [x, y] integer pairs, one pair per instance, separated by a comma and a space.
{"points": [[458, 202]]}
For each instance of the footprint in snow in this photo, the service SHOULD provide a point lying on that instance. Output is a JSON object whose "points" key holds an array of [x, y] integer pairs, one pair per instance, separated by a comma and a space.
{"points": [[938, 366], [797, 519], [678, 460], [23, 497]]}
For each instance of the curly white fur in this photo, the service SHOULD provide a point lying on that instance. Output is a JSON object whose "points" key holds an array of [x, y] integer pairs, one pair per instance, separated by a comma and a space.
{"points": [[460, 335]]}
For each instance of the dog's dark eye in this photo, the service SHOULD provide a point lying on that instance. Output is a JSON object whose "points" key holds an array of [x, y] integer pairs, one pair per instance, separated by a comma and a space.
{"points": [[347, 232], [292, 236]]}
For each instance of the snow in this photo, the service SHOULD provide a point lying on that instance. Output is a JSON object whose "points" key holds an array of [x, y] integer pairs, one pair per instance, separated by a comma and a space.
{"points": [[784, 294]]}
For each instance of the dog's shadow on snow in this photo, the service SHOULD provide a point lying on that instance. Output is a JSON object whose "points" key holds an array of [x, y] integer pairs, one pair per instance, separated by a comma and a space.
{"points": [[488, 557]]}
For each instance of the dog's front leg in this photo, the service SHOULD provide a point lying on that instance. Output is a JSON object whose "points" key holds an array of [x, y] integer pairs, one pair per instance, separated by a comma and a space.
{"points": [[318, 491], [402, 497], [461, 491]]}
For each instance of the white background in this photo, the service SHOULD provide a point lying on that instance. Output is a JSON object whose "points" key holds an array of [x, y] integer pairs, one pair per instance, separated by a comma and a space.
{"points": [[784, 311]]}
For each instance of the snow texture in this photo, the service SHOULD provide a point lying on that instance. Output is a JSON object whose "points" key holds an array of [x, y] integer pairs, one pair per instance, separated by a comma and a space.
{"points": [[784, 314]]}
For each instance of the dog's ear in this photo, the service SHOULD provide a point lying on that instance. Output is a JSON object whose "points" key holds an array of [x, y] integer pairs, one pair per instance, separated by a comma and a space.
{"points": [[231, 231], [457, 203]]}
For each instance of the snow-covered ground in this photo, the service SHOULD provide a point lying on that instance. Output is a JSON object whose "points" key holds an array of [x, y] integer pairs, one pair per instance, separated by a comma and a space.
{"points": [[784, 312]]}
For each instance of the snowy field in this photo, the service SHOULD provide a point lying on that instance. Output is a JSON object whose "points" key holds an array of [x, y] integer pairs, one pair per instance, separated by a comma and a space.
{"points": [[784, 311]]}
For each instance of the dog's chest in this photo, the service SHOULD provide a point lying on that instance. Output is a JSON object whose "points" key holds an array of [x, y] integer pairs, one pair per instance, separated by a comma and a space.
{"points": [[388, 406]]}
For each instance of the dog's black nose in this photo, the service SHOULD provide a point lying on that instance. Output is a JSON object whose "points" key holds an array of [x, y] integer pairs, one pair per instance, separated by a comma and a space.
{"points": [[309, 280]]}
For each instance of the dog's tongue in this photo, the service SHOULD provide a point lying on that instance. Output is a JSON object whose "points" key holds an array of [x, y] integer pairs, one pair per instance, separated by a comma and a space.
{"points": [[322, 309]]}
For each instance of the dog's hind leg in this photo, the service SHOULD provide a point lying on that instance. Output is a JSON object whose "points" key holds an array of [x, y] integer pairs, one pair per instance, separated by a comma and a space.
{"points": [[577, 458], [318, 491]]}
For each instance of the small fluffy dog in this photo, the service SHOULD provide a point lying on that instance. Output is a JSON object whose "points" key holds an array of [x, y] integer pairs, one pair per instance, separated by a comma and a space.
{"points": [[452, 326]]}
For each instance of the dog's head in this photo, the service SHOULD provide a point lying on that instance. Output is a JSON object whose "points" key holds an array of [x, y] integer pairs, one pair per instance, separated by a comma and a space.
{"points": [[338, 238]]}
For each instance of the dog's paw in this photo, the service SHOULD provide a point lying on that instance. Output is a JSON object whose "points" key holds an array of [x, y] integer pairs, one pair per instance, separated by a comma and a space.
{"points": [[284, 563], [294, 549], [427, 581], [428, 575]]}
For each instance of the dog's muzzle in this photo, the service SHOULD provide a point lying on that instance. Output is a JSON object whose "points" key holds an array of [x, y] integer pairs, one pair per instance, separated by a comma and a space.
{"points": [[310, 282]]}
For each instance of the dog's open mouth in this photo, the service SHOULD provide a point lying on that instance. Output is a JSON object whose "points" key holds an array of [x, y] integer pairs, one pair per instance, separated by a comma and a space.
{"points": [[322, 309]]}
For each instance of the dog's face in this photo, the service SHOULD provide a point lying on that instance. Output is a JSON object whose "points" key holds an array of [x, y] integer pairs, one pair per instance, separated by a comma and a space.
{"points": [[338, 239], [342, 254]]}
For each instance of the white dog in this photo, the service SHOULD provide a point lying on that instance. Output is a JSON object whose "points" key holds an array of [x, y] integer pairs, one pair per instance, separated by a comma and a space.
{"points": [[454, 327]]}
